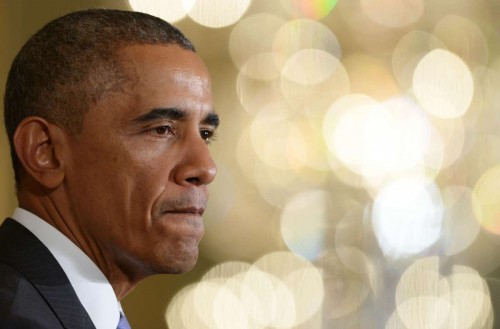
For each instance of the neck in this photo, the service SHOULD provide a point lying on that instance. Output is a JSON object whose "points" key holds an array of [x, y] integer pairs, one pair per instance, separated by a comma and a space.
{"points": [[45, 205]]}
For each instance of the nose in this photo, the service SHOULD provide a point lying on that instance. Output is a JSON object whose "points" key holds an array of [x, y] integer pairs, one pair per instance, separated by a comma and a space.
{"points": [[197, 166]]}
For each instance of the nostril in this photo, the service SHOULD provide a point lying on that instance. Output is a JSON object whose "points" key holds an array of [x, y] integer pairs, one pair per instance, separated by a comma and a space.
{"points": [[193, 180]]}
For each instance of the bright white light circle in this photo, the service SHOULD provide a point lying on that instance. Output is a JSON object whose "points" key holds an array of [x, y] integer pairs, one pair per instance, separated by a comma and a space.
{"points": [[407, 216], [170, 10]]}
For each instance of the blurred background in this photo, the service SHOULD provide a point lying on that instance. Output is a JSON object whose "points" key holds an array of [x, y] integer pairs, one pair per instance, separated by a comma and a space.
{"points": [[358, 158]]}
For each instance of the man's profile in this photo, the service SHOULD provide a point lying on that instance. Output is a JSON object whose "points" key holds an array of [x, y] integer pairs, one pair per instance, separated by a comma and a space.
{"points": [[109, 115]]}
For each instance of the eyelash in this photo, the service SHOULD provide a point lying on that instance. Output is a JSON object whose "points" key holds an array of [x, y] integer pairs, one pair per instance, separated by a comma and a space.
{"points": [[168, 129]]}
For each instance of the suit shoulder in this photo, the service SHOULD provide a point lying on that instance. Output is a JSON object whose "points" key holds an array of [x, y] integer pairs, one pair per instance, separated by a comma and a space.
{"points": [[21, 305]]}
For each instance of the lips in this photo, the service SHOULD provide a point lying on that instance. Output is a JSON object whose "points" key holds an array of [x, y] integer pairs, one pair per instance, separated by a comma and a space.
{"points": [[189, 210]]}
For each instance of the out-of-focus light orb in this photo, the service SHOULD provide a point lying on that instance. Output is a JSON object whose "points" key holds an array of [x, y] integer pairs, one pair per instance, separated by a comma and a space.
{"points": [[261, 67], [276, 139], [464, 290], [393, 13], [407, 217], [228, 310], [308, 291], [253, 35], [425, 312], [313, 9], [381, 140], [198, 311], [443, 84], [303, 222], [313, 100], [170, 10], [421, 278], [464, 38], [408, 53], [361, 139], [302, 34], [263, 286], [486, 200], [460, 228], [470, 299], [309, 67], [216, 13], [173, 315], [298, 275]]}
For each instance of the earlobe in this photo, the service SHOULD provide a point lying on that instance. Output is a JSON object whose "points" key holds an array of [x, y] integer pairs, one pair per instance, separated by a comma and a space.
{"points": [[37, 142]]}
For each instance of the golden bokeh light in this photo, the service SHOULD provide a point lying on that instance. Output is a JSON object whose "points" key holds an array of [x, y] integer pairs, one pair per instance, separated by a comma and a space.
{"points": [[253, 297], [313, 100], [261, 67], [425, 312], [209, 13], [443, 84], [462, 298], [486, 200], [276, 139], [253, 35], [379, 141], [309, 67], [393, 13]]}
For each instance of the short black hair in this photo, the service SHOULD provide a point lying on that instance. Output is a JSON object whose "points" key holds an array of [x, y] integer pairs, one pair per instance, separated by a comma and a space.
{"points": [[72, 62]]}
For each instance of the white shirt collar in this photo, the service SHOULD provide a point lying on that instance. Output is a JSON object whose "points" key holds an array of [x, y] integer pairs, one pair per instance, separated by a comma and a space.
{"points": [[90, 284]]}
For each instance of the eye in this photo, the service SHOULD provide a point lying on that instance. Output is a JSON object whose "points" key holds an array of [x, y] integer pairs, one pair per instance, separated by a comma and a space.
{"points": [[162, 130], [207, 135]]}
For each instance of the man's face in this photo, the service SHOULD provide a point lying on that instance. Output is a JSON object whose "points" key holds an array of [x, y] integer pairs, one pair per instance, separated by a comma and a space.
{"points": [[138, 172]]}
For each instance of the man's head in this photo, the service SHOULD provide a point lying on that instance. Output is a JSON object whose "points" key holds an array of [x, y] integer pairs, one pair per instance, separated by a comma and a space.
{"points": [[72, 62], [109, 114]]}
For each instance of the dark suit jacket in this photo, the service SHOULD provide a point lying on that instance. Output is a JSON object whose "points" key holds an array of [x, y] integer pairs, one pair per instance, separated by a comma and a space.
{"points": [[34, 290]]}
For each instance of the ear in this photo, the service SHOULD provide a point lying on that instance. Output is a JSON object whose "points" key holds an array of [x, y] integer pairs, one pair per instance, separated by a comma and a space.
{"points": [[37, 143]]}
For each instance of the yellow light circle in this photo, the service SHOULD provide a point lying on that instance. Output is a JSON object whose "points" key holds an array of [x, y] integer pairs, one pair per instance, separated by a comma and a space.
{"points": [[486, 200]]}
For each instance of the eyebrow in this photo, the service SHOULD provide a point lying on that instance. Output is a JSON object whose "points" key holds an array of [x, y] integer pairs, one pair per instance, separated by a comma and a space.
{"points": [[211, 119]]}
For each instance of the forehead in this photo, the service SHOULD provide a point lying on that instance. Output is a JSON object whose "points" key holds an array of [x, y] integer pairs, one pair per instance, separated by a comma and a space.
{"points": [[158, 76], [165, 65]]}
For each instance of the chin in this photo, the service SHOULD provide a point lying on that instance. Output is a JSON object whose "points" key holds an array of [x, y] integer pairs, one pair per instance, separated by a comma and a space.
{"points": [[178, 261]]}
